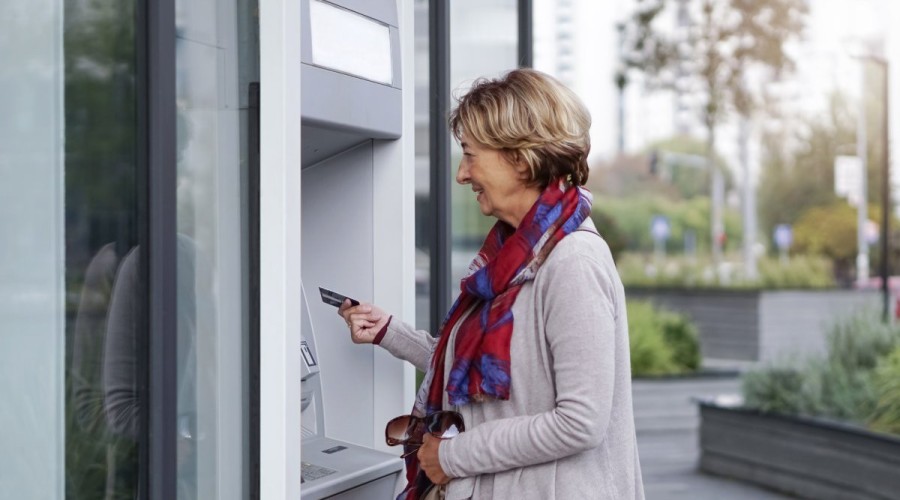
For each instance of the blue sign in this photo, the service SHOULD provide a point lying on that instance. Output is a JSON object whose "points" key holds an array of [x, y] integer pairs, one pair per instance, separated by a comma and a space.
{"points": [[783, 236], [659, 228]]}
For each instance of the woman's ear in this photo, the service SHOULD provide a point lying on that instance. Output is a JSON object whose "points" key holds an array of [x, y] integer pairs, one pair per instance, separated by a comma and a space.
{"points": [[516, 160], [522, 169]]}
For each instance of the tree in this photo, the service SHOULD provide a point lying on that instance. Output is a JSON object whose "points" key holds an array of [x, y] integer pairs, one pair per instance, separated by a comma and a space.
{"points": [[829, 231], [709, 55], [798, 164], [688, 180], [798, 161], [676, 176]]}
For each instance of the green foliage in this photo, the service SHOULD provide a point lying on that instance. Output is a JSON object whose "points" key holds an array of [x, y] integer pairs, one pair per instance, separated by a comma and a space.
{"points": [[649, 353], [610, 232], [827, 230], [851, 382], [798, 160], [776, 389], [661, 342], [802, 272], [681, 336], [688, 181], [859, 340], [886, 415], [633, 214]]}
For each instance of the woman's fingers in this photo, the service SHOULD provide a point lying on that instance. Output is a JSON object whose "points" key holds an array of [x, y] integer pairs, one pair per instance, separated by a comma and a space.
{"points": [[362, 320], [429, 461]]}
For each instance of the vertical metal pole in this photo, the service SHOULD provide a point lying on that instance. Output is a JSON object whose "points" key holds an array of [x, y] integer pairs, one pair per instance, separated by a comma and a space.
{"points": [[253, 278], [717, 195], [158, 246], [621, 82], [749, 208], [439, 151], [885, 197], [526, 33], [862, 216]]}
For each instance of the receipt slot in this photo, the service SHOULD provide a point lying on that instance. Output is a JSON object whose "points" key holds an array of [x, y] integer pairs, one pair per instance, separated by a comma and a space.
{"points": [[332, 468], [351, 127]]}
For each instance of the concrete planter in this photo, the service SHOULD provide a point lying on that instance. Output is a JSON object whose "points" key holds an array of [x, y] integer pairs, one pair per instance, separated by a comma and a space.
{"points": [[760, 325], [808, 458]]}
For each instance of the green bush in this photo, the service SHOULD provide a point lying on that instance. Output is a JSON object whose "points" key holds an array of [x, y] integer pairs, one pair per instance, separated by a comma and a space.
{"points": [[662, 342], [610, 231], [633, 215], [776, 389], [649, 353], [802, 272], [858, 341], [839, 391], [681, 336], [886, 415], [851, 382]]}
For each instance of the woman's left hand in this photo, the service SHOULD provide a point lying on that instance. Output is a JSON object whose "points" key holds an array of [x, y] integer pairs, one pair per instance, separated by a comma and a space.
{"points": [[429, 461]]}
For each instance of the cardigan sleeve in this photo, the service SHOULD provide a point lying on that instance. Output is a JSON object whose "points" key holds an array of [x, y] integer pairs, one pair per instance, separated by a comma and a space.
{"points": [[579, 314], [408, 344]]}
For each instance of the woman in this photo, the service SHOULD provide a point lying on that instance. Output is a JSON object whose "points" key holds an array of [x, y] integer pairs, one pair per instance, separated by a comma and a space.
{"points": [[534, 353]]}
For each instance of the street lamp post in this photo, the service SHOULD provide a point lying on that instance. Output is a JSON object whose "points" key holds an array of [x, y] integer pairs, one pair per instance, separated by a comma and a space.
{"points": [[862, 216], [885, 183], [621, 82], [885, 192]]}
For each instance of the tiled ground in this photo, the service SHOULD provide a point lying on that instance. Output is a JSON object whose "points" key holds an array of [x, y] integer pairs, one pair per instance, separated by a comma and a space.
{"points": [[667, 430]]}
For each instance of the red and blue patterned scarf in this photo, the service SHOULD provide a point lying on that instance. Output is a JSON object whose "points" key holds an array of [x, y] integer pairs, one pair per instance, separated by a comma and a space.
{"points": [[508, 258]]}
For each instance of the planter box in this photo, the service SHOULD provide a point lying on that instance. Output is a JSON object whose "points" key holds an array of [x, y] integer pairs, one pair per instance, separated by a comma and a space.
{"points": [[760, 325], [809, 458]]}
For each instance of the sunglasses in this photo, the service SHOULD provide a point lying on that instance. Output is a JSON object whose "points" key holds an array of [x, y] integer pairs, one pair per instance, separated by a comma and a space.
{"points": [[410, 430]]}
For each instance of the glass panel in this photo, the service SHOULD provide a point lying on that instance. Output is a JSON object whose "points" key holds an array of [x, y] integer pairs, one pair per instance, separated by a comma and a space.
{"points": [[103, 276], [70, 297], [423, 169], [212, 321], [32, 319], [483, 43]]}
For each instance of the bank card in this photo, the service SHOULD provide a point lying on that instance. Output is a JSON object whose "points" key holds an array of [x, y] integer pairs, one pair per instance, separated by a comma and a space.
{"points": [[335, 299]]}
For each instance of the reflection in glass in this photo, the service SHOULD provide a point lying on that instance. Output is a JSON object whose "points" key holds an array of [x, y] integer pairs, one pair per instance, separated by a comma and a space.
{"points": [[423, 168], [483, 43], [212, 76], [103, 435]]}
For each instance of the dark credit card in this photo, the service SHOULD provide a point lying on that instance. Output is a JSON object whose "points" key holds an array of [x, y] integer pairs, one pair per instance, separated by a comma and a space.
{"points": [[335, 299]]}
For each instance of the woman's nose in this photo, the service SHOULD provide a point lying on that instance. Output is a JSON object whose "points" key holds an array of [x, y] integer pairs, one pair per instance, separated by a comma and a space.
{"points": [[462, 174]]}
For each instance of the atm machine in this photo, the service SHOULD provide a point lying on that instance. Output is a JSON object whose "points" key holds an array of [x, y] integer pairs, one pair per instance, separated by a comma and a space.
{"points": [[331, 468], [351, 116]]}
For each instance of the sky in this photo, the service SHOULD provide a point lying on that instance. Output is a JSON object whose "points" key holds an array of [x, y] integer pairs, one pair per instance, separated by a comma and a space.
{"points": [[824, 63]]}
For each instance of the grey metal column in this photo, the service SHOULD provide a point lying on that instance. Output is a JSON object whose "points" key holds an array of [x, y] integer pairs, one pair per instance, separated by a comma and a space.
{"points": [[253, 278], [157, 157], [862, 209], [885, 192], [526, 33], [439, 151]]}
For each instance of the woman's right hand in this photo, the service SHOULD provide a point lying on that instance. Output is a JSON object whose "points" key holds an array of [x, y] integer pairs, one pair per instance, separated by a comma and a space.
{"points": [[364, 321]]}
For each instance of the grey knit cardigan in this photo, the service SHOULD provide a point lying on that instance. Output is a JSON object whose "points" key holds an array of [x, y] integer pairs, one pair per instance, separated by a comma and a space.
{"points": [[567, 430]]}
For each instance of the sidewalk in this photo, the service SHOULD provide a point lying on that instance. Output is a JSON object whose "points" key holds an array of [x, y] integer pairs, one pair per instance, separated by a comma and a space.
{"points": [[667, 424]]}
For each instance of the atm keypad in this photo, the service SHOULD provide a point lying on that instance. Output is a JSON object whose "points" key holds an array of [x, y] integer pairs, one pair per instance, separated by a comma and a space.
{"points": [[311, 472]]}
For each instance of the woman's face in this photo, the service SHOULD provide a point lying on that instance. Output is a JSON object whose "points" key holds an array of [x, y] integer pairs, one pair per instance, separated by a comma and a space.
{"points": [[499, 185]]}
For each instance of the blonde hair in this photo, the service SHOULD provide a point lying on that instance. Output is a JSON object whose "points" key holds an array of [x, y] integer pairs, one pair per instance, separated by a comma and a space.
{"points": [[532, 118]]}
